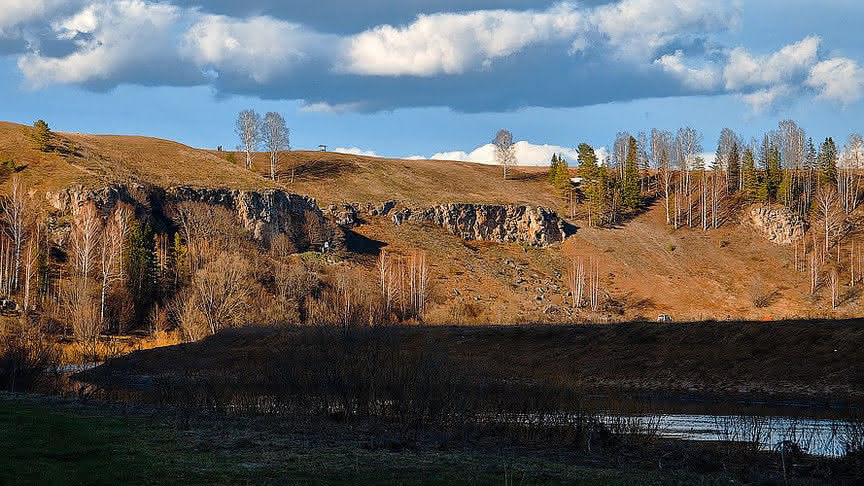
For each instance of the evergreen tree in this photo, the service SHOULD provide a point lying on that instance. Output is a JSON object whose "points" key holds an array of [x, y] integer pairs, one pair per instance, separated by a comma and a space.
{"points": [[750, 182], [769, 162], [828, 161], [553, 169], [41, 136], [811, 157], [594, 181], [630, 192], [561, 178], [733, 169], [787, 192], [139, 264]]}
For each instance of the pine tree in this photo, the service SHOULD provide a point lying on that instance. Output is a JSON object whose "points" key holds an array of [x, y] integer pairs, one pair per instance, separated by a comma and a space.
{"points": [[561, 178], [733, 168], [749, 180], [553, 169], [139, 264], [769, 162], [41, 136], [630, 191], [810, 159], [593, 183], [828, 161]]}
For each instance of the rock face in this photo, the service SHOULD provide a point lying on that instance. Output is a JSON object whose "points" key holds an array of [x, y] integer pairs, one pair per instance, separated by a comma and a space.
{"points": [[525, 224], [348, 215], [776, 224], [263, 213]]}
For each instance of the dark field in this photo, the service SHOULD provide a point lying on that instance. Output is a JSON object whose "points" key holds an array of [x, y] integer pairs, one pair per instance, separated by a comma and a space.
{"points": [[820, 361]]}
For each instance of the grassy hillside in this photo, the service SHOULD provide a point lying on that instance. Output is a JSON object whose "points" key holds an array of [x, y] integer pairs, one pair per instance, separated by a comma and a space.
{"points": [[646, 267], [94, 160]]}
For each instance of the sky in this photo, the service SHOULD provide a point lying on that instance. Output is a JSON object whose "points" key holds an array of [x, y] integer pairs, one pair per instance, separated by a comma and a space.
{"points": [[434, 78]]}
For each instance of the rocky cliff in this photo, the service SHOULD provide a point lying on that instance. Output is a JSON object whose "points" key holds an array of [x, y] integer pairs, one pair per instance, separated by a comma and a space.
{"points": [[263, 214], [776, 223], [525, 224]]}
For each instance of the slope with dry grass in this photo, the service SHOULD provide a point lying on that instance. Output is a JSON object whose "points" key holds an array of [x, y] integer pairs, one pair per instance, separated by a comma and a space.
{"points": [[646, 267]]}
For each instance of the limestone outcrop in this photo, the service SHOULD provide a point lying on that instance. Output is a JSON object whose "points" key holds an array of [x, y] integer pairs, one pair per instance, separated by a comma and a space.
{"points": [[524, 224], [264, 214], [776, 223]]}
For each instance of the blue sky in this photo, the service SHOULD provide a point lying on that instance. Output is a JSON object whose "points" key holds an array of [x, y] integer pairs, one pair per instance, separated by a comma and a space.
{"points": [[420, 77]]}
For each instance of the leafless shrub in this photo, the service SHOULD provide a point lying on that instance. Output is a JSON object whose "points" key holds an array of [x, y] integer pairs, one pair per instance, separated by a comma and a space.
{"points": [[281, 246], [217, 297], [760, 295], [27, 358], [82, 309]]}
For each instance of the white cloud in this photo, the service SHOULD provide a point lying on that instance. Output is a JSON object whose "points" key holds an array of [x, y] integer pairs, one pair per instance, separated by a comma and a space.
{"points": [[744, 69], [355, 151], [763, 99], [259, 47], [527, 154], [111, 38], [14, 13], [705, 78], [324, 107], [638, 28], [451, 43], [837, 79]]}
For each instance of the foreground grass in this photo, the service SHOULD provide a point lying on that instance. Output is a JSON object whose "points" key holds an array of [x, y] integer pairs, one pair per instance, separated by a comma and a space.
{"points": [[51, 443]]}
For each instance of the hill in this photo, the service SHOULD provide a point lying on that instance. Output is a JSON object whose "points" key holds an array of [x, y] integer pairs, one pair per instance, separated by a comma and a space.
{"points": [[646, 268]]}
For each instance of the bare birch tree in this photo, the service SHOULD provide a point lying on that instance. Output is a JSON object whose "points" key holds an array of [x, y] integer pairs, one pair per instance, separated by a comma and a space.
{"points": [[113, 241], [849, 179], [661, 154], [248, 128], [576, 282], [276, 139], [505, 150], [828, 204], [86, 231], [14, 207]]}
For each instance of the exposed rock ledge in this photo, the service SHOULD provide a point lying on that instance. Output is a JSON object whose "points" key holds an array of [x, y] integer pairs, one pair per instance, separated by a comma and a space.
{"points": [[776, 223], [263, 213], [525, 224]]}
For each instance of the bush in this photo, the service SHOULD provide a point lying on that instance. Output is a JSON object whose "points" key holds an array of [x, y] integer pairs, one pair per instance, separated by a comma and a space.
{"points": [[27, 359]]}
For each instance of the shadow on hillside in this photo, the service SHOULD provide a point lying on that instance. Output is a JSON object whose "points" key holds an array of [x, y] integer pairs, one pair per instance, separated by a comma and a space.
{"points": [[516, 175], [643, 208], [319, 169], [361, 245]]}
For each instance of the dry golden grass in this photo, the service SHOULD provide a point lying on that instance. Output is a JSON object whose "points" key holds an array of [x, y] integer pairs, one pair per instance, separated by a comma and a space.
{"points": [[96, 160], [93, 160]]}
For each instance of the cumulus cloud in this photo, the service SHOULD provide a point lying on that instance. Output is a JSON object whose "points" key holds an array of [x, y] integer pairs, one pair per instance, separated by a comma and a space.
{"points": [[639, 28], [454, 43], [704, 78], [118, 41], [766, 98], [745, 70], [324, 107], [527, 154], [451, 43], [260, 47], [566, 54], [17, 13], [355, 151], [837, 79]]}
